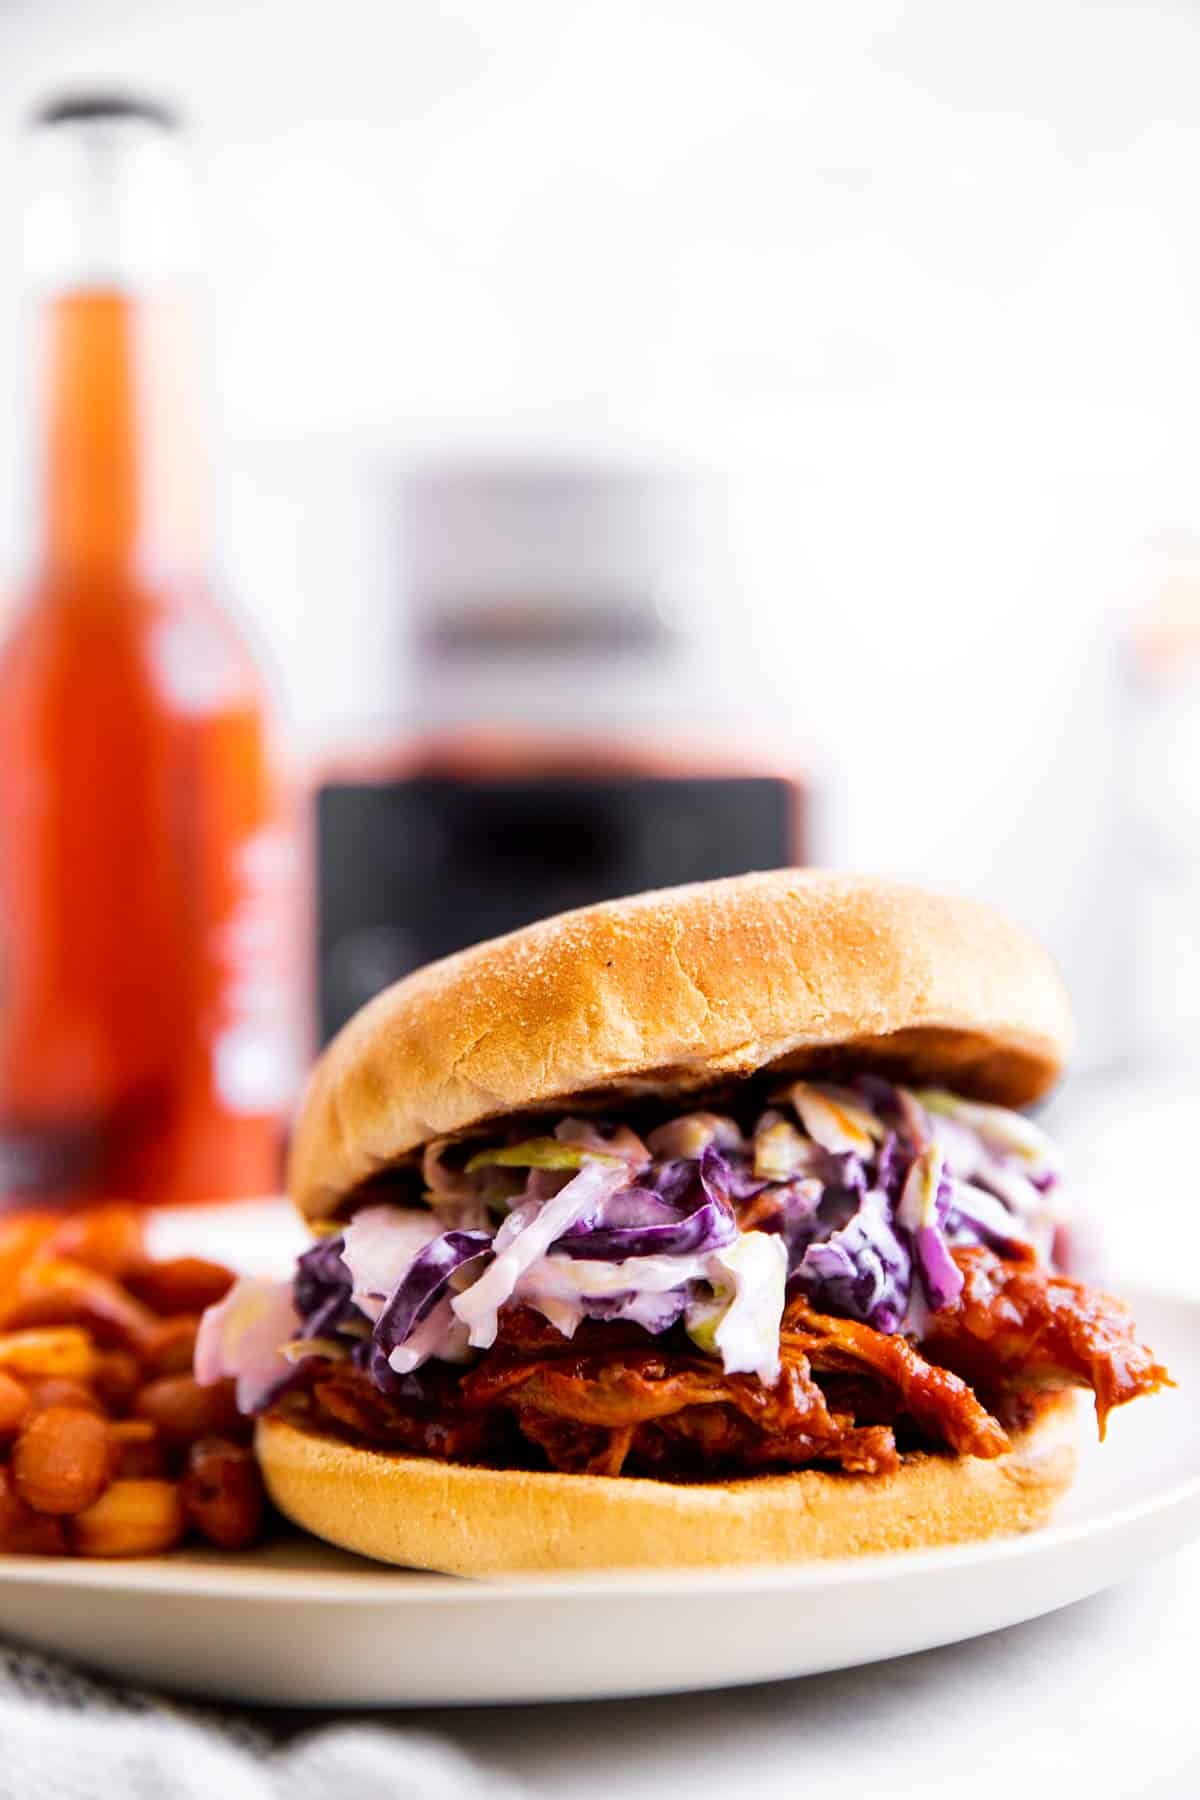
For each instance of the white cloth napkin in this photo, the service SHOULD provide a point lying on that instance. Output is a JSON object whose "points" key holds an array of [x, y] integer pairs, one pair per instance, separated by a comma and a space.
{"points": [[66, 1736]]}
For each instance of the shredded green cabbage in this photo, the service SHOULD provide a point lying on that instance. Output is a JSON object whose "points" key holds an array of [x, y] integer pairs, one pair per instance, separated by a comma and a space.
{"points": [[537, 1153]]}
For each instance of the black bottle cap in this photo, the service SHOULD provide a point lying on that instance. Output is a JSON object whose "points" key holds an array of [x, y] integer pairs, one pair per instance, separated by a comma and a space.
{"points": [[94, 103]]}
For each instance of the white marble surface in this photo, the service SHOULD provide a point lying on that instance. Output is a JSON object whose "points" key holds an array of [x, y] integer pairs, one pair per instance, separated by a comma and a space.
{"points": [[1099, 1697]]}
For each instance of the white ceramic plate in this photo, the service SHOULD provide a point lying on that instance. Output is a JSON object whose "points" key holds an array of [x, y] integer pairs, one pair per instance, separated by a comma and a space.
{"points": [[299, 1624]]}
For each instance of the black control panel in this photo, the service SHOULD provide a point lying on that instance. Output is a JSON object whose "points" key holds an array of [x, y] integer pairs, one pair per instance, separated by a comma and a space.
{"points": [[412, 869]]}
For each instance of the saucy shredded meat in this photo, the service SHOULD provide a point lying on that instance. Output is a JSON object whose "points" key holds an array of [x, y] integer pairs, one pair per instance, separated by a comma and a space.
{"points": [[937, 1400], [1017, 1326], [703, 1415], [615, 1401]]}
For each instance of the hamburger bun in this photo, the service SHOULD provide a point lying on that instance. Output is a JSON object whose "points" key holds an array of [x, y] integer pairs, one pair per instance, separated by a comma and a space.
{"points": [[670, 993], [678, 991], [425, 1514]]}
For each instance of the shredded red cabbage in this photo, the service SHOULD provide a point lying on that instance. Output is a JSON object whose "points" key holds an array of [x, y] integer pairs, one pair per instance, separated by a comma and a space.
{"points": [[855, 1245], [863, 1269], [709, 1225], [425, 1282], [322, 1289], [974, 1216]]}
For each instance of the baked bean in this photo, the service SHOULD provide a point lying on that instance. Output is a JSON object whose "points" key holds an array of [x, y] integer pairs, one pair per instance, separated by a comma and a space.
{"points": [[113, 1448], [118, 1378], [109, 1239], [141, 1455], [22, 1237], [24, 1532], [65, 1350], [63, 1460], [14, 1405], [186, 1284], [13, 1510], [185, 1411], [222, 1493], [131, 1518], [40, 1535], [172, 1346], [133, 1431], [59, 1390], [66, 1293]]}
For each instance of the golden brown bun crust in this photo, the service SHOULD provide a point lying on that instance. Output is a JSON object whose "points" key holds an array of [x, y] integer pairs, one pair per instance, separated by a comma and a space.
{"points": [[424, 1514], [677, 990]]}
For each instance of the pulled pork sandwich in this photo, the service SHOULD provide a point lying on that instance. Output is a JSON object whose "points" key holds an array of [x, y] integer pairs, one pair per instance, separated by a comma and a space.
{"points": [[691, 1228]]}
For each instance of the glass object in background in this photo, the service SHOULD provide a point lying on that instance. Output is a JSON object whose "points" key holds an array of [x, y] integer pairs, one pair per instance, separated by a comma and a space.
{"points": [[1164, 663], [145, 1044], [575, 735]]}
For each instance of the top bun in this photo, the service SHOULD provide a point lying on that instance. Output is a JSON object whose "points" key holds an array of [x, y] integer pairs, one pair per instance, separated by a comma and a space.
{"points": [[676, 991]]}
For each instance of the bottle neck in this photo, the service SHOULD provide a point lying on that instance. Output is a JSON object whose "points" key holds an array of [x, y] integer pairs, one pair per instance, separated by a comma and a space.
{"points": [[123, 481], [123, 484]]}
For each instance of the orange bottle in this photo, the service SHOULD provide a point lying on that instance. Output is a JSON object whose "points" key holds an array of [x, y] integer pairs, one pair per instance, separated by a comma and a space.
{"points": [[146, 1043]]}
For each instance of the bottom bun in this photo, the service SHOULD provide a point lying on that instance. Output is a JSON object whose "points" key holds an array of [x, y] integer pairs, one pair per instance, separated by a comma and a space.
{"points": [[425, 1514]]}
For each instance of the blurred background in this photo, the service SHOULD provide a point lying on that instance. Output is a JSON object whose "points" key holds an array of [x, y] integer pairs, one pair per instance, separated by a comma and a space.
{"points": [[641, 442]]}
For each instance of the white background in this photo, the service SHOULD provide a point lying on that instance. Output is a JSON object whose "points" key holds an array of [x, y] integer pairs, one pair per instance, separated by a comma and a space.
{"points": [[921, 279]]}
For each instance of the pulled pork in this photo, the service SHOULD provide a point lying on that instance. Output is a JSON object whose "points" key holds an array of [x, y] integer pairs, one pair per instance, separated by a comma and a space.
{"points": [[1017, 1327], [614, 1400]]}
